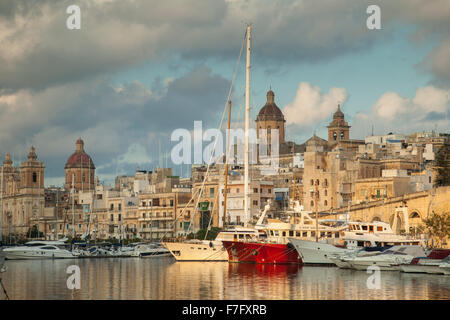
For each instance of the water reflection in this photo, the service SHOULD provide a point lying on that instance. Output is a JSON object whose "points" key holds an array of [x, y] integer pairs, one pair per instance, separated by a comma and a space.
{"points": [[163, 278]]}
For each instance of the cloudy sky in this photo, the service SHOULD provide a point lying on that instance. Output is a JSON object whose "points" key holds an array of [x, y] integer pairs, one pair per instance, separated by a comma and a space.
{"points": [[137, 70]]}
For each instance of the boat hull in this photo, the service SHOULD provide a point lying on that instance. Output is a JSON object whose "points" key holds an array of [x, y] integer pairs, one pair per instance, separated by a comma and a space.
{"points": [[312, 252], [239, 252], [268, 253], [36, 255], [204, 251]]}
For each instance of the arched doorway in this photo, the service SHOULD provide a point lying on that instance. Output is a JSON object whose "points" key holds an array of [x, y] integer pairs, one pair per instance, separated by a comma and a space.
{"points": [[376, 218]]}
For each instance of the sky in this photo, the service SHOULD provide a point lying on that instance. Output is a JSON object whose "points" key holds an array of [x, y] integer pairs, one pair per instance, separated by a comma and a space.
{"points": [[138, 70]]}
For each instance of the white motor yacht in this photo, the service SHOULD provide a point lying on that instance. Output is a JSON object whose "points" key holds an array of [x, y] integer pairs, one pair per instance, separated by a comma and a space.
{"points": [[38, 250], [359, 235], [426, 265], [150, 251], [387, 260]]}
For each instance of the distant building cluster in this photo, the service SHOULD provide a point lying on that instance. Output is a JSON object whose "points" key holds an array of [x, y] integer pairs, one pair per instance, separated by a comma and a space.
{"points": [[322, 174]]}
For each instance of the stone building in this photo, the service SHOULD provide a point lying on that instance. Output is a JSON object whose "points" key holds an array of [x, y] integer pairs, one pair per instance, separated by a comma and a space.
{"points": [[23, 194]]}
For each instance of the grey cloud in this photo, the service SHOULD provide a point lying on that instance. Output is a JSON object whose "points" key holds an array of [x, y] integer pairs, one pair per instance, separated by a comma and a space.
{"points": [[108, 119]]}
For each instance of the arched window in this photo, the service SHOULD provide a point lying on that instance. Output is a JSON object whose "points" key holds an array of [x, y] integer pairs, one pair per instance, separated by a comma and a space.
{"points": [[342, 135], [325, 202], [34, 177], [334, 135], [326, 193]]}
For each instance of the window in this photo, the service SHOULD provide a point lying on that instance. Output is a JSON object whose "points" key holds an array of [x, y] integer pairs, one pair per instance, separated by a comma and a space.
{"points": [[120, 217], [312, 203], [325, 202], [34, 177], [120, 206], [312, 182], [342, 135], [291, 233], [317, 182], [255, 190], [378, 193], [237, 190], [364, 228], [269, 190], [255, 202], [305, 234], [171, 203], [112, 217], [211, 192], [111, 207], [326, 192], [379, 228], [325, 183], [334, 135]]}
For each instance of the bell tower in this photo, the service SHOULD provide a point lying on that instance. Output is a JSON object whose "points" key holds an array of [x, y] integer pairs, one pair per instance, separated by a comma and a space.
{"points": [[32, 174], [338, 129]]}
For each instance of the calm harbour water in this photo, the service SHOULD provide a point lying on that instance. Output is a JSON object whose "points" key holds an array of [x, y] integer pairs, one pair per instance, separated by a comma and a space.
{"points": [[163, 278]]}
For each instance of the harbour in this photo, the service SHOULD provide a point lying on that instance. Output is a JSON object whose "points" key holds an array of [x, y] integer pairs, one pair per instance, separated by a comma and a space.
{"points": [[165, 279]]}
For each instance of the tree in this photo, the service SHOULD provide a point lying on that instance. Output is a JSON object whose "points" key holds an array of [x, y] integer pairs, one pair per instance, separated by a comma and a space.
{"points": [[438, 226], [33, 232], [442, 166]]}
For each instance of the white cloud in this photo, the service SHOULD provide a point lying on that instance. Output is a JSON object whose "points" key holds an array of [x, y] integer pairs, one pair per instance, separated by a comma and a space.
{"points": [[311, 105], [427, 110]]}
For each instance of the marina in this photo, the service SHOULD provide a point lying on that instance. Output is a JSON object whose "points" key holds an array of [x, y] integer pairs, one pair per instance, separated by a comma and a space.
{"points": [[164, 278]]}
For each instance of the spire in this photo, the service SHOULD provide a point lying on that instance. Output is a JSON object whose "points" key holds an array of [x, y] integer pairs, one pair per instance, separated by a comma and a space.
{"points": [[270, 96], [79, 145], [32, 154], [7, 160]]}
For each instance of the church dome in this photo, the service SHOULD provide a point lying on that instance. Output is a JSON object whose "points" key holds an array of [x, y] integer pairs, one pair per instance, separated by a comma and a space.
{"points": [[270, 111], [79, 159]]}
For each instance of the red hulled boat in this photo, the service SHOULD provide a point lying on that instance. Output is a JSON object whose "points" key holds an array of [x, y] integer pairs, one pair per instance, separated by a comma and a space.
{"points": [[239, 252], [260, 252]]}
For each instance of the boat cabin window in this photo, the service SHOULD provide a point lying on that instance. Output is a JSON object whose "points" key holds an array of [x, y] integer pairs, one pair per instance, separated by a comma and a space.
{"points": [[364, 227], [360, 243], [234, 236], [379, 228], [49, 248], [371, 228], [241, 236]]}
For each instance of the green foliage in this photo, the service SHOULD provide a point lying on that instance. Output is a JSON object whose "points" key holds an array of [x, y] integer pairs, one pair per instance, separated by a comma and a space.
{"points": [[33, 232], [438, 225], [442, 166], [212, 233]]}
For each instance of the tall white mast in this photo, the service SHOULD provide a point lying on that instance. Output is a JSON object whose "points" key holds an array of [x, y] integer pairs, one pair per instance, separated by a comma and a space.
{"points": [[73, 208], [247, 116]]}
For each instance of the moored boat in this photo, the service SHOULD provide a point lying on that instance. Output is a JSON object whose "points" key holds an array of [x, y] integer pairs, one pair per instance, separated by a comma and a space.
{"points": [[38, 250], [274, 253]]}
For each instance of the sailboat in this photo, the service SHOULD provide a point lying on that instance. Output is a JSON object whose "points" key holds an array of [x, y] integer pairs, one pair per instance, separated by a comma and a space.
{"points": [[204, 250]]}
